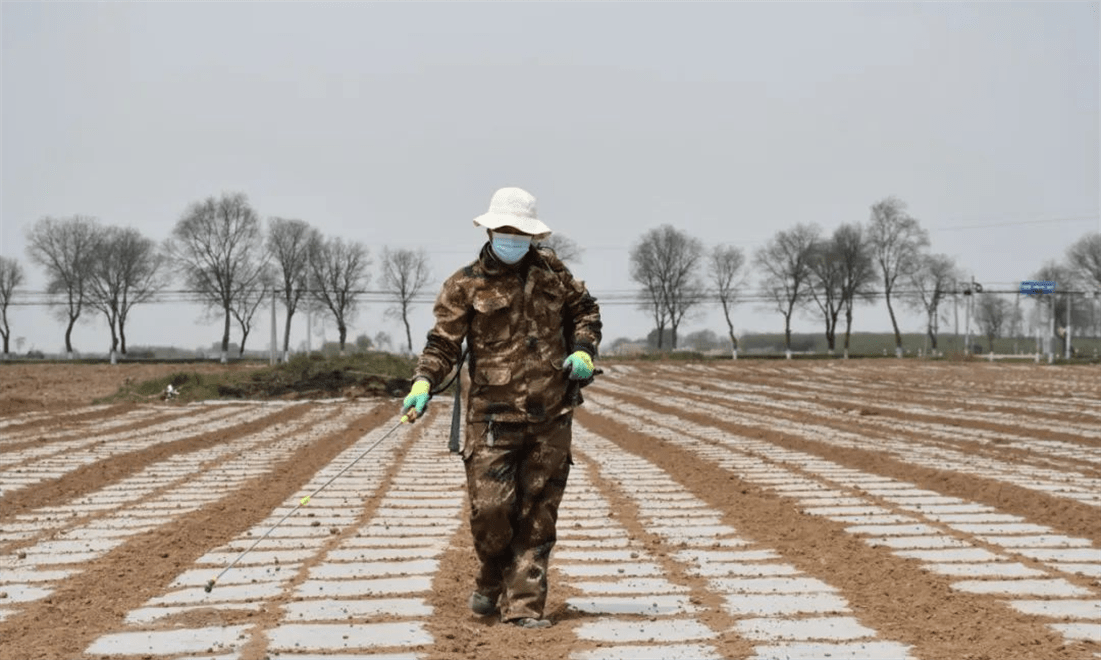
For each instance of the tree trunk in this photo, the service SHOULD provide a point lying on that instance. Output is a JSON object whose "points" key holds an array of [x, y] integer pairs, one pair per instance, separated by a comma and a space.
{"points": [[787, 334], [730, 330], [936, 331], [69, 337], [287, 336], [225, 338], [343, 335], [894, 324], [408, 332], [848, 328], [831, 329], [114, 339], [114, 334]]}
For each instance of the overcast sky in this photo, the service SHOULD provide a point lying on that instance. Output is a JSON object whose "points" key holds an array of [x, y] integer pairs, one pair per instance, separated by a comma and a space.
{"points": [[393, 123]]}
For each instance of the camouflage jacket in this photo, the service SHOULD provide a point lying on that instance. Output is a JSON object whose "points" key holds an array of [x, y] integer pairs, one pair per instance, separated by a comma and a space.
{"points": [[520, 323]]}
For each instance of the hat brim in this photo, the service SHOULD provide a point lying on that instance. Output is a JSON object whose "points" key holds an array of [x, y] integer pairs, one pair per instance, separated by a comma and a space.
{"points": [[532, 226]]}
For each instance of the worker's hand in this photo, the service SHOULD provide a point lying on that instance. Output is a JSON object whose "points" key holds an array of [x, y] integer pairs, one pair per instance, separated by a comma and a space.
{"points": [[417, 400], [580, 365]]}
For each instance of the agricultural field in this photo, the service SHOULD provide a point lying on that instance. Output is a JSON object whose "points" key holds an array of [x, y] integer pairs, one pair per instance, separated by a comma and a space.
{"points": [[753, 509]]}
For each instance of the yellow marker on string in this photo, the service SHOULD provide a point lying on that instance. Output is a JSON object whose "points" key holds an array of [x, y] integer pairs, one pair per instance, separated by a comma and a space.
{"points": [[302, 502]]}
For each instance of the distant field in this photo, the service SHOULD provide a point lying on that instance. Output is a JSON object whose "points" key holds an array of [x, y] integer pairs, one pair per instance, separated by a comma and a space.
{"points": [[883, 344]]}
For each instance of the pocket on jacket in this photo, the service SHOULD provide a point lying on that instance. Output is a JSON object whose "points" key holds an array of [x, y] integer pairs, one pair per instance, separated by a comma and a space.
{"points": [[485, 375], [491, 320], [550, 304]]}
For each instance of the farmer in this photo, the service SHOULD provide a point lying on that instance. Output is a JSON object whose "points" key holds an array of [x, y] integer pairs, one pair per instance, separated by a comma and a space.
{"points": [[531, 331]]}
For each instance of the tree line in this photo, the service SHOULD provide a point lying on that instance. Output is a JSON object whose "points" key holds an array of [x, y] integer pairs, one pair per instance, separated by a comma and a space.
{"points": [[800, 269], [221, 251]]}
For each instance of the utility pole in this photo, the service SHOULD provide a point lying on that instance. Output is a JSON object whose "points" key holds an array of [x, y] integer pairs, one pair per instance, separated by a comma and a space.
{"points": [[1017, 319], [956, 315], [1051, 332], [1066, 354], [967, 323], [274, 339]]}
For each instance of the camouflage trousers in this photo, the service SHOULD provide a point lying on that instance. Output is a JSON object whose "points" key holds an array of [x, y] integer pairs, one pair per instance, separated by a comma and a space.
{"points": [[515, 476]]}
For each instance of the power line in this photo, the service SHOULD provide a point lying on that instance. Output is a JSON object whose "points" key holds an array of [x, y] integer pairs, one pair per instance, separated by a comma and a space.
{"points": [[615, 297], [1081, 218]]}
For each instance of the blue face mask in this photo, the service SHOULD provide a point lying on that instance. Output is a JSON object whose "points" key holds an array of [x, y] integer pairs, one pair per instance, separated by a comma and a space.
{"points": [[510, 248]]}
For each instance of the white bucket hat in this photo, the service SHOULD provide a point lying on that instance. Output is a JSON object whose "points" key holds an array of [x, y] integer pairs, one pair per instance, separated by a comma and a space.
{"points": [[513, 207]]}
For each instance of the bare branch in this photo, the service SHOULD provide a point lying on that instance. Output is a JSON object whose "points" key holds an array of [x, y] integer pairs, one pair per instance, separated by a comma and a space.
{"points": [[728, 277], [289, 249], [217, 245], [564, 247], [1084, 257], [897, 240], [404, 274], [785, 263], [11, 276], [666, 263], [65, 247], [338, 273]]}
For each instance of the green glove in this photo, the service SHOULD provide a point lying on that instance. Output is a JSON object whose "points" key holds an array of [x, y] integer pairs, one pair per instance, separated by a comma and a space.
{"points": [[580, 365], [417, 399]]}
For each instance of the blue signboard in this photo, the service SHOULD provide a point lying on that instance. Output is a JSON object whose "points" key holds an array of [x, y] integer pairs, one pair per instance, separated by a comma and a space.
{"points": [[1030, 287]]}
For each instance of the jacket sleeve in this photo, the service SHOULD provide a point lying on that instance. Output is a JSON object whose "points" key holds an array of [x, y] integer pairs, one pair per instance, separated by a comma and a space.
{"points": [[441, 353], [583, 315]]}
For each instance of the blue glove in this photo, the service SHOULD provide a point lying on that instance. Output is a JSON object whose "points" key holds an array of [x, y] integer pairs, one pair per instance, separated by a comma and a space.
{"points": [[580, 365], [417, 400]]}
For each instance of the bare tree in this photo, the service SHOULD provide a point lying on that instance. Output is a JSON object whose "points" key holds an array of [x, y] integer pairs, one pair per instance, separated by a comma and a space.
{"points": [[255, 287], [289, 248], [857, 271], [404, 274], [897, 240], [338, 273], [651, 298], [128, 270], [785, 264], [934, 280], [665, 262], [1084, 257], [826, 286], [103, 285], [65, 247], [726, 263], [703, 340], [11, 276], [564, 247], [382, 340], [216, 245], [1066, 280], [992, 313]]}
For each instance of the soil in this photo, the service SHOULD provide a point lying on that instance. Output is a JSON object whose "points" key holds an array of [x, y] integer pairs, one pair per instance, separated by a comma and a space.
{"points": [[896, 597]]}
